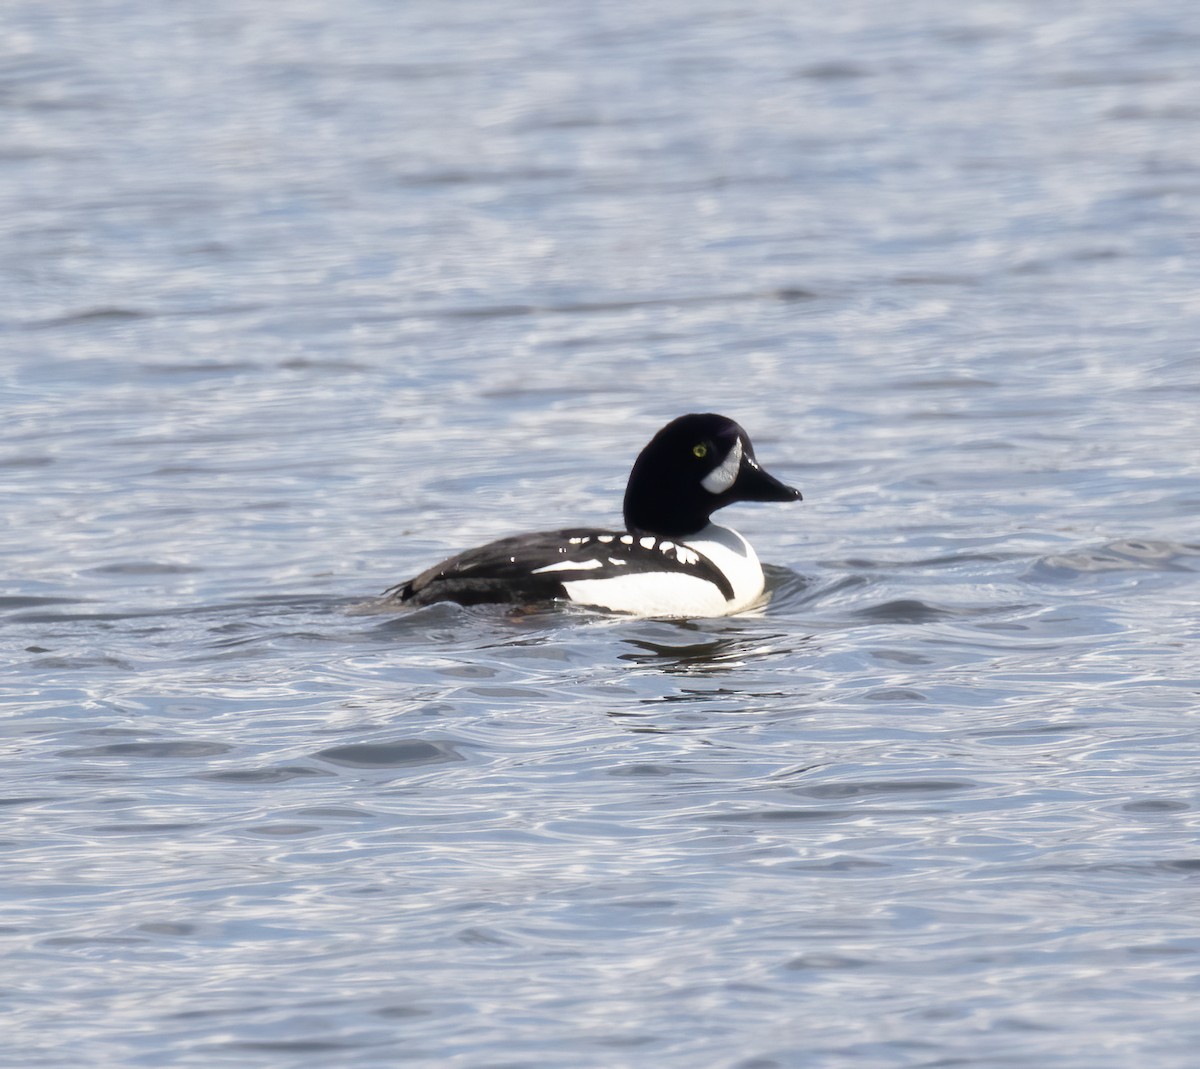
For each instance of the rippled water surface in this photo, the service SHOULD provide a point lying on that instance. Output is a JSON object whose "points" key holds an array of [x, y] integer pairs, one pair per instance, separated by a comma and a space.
{"points": [[297, 299]]}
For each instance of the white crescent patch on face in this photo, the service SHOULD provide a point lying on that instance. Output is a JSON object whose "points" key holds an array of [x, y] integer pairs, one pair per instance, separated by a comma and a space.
{"points": [[723, 477]]}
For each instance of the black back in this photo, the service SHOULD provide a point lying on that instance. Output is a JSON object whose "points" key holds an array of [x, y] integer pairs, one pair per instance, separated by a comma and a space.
{"points": [[505, 570]]}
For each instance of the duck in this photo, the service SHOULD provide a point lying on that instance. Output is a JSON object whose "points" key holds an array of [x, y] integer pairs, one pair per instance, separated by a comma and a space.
{"points": [[670, 560]]}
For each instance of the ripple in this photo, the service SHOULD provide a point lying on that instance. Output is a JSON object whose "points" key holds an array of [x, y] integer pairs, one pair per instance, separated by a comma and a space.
{"points": [[146, 567], [18, 601], [781, 816], [396, 753], [166, 748], [871, 787], [252, 776], [1124, 555], [904, 611], [87, 316], [26, 460]]}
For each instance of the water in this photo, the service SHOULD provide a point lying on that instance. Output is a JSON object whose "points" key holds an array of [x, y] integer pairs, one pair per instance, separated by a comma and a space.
{"points": [[297, 299]]}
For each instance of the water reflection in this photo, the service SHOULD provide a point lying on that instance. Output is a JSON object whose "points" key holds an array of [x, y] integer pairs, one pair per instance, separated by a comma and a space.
{"points": [[708, 654]]}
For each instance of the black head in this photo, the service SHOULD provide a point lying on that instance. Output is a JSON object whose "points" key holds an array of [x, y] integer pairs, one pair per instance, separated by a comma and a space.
{"points": [[695, 465]]}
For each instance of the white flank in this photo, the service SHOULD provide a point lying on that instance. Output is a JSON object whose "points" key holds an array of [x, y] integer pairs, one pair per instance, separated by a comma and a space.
{"points": [[666, 594], [721, 479], [676, 594]]}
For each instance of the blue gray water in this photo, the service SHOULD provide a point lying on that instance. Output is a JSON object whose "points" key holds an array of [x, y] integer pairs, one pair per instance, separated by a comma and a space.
{"points": [[297, 298]]}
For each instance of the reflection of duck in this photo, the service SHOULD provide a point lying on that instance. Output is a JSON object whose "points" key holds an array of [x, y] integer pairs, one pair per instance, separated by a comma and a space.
{"points": [[713, 655], [670, 561]]}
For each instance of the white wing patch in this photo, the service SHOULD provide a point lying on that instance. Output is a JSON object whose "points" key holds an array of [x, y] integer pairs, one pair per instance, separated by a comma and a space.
{"points": [[567, 566], [722, 478]]}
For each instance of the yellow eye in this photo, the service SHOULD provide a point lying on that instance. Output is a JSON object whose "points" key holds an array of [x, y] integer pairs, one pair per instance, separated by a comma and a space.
{"points": [[700, 450]]}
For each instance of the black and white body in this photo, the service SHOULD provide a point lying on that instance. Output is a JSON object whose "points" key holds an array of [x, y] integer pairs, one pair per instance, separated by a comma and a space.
{"points": [[671, 560]]}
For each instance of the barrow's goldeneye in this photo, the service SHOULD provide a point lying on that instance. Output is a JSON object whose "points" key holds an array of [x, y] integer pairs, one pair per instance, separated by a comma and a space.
{"points": [[670, 561]]}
